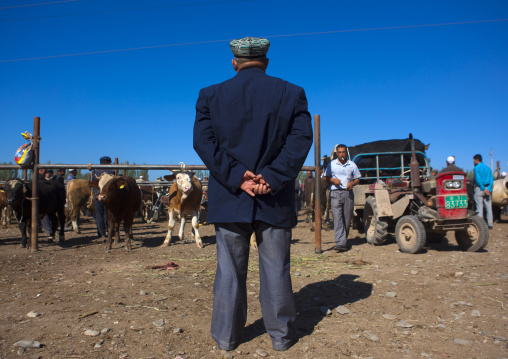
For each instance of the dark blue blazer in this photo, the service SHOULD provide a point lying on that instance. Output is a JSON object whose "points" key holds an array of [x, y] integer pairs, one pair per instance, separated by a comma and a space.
{"points": [[259, 123]]}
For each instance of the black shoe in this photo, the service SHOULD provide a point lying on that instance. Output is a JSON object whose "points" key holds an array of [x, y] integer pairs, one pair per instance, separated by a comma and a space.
{"points": [[340, 248], [490, 227]]}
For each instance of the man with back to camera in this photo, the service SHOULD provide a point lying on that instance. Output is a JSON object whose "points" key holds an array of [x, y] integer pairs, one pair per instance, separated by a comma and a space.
{"points": [[342, 175], [450, 165], [483, 182], [253, 132]]}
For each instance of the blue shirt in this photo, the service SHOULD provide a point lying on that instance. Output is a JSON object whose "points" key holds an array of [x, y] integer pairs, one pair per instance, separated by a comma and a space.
{"points": [[483, 176], [70, 177], [346, 173]]}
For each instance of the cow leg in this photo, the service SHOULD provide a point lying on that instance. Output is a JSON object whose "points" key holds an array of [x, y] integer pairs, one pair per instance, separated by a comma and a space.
{"points": [[253, 242], [171, 225], [4, 217], [117, 233], [111, 230], [127, 227], [182, 226], [195, 225], [61, 232], [22, 229], [74, 219]]}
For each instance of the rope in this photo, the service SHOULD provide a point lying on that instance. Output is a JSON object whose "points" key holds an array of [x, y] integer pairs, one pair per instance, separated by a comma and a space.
{"points": [[89, 166]]}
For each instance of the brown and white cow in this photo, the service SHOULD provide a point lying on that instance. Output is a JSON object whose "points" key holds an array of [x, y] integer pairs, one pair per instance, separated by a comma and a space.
{"points": [[184, 199], [4, 208], [79, 196], [122, 197]]}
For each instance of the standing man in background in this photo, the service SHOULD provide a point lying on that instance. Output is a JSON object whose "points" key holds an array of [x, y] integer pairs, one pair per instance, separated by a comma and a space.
{"points": [[308, 188], [72, 174], [101, 212], [253, 132], [342, 175], [450, 165], [483, 181]]}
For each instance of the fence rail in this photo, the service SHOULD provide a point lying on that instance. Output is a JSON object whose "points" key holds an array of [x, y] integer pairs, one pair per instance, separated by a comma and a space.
{"points": [[89, 166]]}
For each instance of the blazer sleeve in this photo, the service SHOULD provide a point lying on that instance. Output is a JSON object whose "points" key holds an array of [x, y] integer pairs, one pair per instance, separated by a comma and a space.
{"points": [[286, 165], [224, 168]]}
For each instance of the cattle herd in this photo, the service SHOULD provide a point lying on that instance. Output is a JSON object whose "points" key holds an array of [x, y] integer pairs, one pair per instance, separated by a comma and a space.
{"points": [[121, 195]]}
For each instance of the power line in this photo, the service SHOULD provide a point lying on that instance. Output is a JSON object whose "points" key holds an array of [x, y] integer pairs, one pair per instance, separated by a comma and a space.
{"points": [[270, 36], [47, 3], [126, 10]]}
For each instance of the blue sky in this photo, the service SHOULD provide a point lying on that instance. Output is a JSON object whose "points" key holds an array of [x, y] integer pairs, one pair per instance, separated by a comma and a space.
{"points": [[448, 85]]}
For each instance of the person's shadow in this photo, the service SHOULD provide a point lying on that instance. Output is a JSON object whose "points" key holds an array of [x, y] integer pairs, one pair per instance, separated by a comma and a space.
{"points": [[310, 299]]}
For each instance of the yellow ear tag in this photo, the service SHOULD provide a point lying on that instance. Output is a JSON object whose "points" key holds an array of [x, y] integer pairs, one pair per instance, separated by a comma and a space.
{"points": [[122, 186]]}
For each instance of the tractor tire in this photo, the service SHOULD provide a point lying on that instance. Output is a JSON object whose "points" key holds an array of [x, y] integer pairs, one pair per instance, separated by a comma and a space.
{"points": [[376, 230], [410, 234], [475, 237]]}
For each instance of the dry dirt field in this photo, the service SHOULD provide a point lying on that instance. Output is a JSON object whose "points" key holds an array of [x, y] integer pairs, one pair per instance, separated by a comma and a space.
{"points": [[442, 303]]}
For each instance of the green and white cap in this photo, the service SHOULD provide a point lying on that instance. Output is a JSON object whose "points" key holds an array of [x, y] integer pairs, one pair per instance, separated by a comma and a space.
{"points": [[250, 47]]}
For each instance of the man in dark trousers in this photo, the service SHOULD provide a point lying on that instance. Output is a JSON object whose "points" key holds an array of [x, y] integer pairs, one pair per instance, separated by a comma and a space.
{"points": [[253, 133], [101, 212]]}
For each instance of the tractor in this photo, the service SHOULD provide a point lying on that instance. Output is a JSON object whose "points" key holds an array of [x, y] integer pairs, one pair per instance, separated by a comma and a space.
{"points": [[418, 207]]}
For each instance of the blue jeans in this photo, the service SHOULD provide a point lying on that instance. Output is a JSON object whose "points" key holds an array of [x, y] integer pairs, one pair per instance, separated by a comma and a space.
{"points": [[230, 289], [480, 200]]}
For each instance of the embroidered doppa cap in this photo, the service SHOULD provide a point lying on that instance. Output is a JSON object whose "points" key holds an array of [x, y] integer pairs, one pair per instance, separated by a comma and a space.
{"points": [[250, 47], [450, 160]]}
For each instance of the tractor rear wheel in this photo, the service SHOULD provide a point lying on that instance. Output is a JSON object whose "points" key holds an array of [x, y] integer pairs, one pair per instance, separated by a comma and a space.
{"points": [[410, 234], [376, 230], [475, 237]]}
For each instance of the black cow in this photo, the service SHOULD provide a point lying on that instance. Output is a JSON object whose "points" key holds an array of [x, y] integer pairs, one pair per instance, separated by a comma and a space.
{"points": [[385, 161], [51, 202]]}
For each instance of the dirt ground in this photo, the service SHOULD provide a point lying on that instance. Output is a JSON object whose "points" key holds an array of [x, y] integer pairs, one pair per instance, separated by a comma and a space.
{"points": [[442, 303]]}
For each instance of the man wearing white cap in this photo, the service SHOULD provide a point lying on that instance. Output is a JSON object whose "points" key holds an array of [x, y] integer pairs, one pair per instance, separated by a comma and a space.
{"points": [[450, 165]]}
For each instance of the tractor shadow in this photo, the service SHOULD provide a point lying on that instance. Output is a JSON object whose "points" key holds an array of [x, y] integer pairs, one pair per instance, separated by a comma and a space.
{"points": [[343, 290]]}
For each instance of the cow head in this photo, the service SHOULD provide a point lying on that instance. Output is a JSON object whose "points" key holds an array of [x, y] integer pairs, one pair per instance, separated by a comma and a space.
{"points": [[183, 180], [15, 191], [103, 185]]}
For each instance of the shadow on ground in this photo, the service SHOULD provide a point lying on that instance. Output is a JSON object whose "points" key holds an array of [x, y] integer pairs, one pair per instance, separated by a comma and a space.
{"points": [[344, 289]]}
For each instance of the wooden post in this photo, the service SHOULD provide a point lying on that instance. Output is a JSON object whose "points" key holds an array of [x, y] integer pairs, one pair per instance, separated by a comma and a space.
{"points": [[317, 193], [35, 186], [116, 171]]}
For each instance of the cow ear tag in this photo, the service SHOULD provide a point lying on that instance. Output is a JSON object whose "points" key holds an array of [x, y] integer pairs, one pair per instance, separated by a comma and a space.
{"points": [[122, 186]]}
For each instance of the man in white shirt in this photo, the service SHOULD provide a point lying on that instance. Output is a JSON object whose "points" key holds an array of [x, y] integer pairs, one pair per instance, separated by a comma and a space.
{"points": [[342, 175]]}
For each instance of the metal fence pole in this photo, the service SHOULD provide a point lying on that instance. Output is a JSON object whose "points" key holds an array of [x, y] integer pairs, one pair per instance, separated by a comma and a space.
{"points": [[317, 193], [35, 186]]}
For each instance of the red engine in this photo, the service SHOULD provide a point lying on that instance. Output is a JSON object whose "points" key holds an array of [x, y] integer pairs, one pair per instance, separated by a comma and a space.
{"points": [[451, 195]]}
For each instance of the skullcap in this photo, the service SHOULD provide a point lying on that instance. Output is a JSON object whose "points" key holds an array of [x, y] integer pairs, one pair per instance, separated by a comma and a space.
{"points": [[249, 47]]}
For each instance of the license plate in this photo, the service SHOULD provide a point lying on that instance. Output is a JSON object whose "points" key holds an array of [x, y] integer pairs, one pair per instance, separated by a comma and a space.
{"points": [[452, 202]]}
